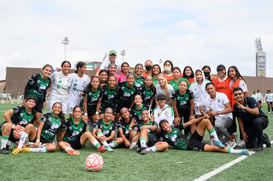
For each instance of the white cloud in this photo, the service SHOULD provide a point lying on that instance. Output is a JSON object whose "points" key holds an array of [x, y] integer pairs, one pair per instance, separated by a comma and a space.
{"points": [[187, 32]]}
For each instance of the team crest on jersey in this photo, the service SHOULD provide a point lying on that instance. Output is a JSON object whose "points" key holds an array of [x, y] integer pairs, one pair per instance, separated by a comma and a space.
{"points": [[187, 98]]}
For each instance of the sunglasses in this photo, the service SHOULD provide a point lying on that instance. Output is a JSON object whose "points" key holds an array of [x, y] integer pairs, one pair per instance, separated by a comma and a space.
{"points": [[238, 94]]}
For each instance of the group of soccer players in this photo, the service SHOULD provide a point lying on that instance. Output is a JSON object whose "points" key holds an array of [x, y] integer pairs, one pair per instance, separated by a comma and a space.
{"points": [[147, 110]]}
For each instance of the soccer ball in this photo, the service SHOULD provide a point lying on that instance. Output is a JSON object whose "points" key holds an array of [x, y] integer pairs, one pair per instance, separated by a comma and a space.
{"points": [[17, 132], [94, 162]]}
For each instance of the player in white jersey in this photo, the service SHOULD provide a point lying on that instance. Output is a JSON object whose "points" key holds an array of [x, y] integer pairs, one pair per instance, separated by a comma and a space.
{"points": [[219, 109], [78, 83], [198, 88], [60, 82], [259, 98], [269, 100]]}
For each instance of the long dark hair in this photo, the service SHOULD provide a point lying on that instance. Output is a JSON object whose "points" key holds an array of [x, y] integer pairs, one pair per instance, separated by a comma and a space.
{"points": [[88, 88], [152, 87], [156, 65], [170, 63], [65, 62], [61, 114], [185, 76], [238, 75]]}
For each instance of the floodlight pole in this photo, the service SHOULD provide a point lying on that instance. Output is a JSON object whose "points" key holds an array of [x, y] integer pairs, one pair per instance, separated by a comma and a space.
{"points": [[65, 42]]}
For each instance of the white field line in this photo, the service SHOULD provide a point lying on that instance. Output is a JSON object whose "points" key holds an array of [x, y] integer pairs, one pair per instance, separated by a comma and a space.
{"points": [[222, 168]]}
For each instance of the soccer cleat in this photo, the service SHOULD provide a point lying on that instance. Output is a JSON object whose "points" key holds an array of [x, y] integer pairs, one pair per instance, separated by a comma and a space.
{"points": [[133, 147], [231, 144], [244, 152], [142, 151], [219, 144], [267, 141], [73, 152], [258, 148], [242, 144], [101, 149], [4, 151], [16, 151], [25, 150], [109, 149]]}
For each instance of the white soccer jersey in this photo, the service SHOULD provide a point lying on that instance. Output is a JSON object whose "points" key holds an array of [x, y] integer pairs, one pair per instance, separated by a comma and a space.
{"points": [[165, 113], [59, 89], [259, 96], [200, 94], [76, 89], [269, 97], [218, 104], [162, 91]]}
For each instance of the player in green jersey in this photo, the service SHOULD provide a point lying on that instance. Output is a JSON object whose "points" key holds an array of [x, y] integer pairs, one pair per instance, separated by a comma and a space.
{"points": [[73, 134], [19, 118], [48, 128], [183, 105], [148, 137], [37, 86], [105, 130], [138, 108], [109, 96], [194, 142], [126, 92], [103, 75], [91, 95], [139, 79], [147, 92], [125, 129], [177, 78]]}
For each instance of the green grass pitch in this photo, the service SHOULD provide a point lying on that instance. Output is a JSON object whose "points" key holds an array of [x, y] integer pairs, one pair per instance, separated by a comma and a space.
{"points": [[124, 164]]}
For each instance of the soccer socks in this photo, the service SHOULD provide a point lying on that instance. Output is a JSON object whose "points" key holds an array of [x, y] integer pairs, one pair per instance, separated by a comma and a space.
{"points": [[23, 138], [143, 142], [234, 151], [68, 148], [96, 144], [215, 138], [113, 144], [4, 140], [213, 134], [151, 149]]}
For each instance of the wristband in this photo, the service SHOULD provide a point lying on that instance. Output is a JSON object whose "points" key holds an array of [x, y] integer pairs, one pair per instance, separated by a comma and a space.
{"points": [[12, 127], [85, 114], [97, 112]]}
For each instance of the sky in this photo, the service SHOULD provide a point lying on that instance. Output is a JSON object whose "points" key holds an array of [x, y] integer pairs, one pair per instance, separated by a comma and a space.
{"points": [[194, 33]]}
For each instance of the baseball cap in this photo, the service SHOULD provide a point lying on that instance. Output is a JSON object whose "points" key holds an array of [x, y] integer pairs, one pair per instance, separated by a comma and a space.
{"points": [[112, 52], [161, 97], [221, 67]]}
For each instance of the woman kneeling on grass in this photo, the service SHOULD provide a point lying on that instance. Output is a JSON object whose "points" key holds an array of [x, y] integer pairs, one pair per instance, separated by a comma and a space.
{"points": [[105, 129], [74, 134], [183, 142], [47, 130]]}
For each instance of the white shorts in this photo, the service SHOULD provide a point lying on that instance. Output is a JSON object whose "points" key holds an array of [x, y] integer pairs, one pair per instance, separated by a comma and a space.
{"points": [[61, 99]]}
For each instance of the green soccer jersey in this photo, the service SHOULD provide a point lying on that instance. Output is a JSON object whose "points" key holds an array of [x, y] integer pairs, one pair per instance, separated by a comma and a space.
{"points": [[147, 94], [125, 127], [37, 86], [176, 139], [182, 101], [109, 97], [136, 113], [21, 116], [73, 131], [175, 84], [51, 126], [105, 128], [125, 94], [92, 98], [155, 81], [139, 81]]}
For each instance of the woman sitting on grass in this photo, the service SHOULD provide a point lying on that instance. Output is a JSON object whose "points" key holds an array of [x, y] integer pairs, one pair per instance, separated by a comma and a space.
{"points": [[74, 135], [176, 139], [105, 129], [47, 130]]}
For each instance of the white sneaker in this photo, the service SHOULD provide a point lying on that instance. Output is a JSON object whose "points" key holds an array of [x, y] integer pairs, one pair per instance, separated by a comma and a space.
{"points": [[231, 144], [133, 147], [241, 144]]}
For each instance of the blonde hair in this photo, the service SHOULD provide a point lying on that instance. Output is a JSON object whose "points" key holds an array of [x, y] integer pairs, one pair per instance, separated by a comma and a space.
{"points": [[166, 85]]}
